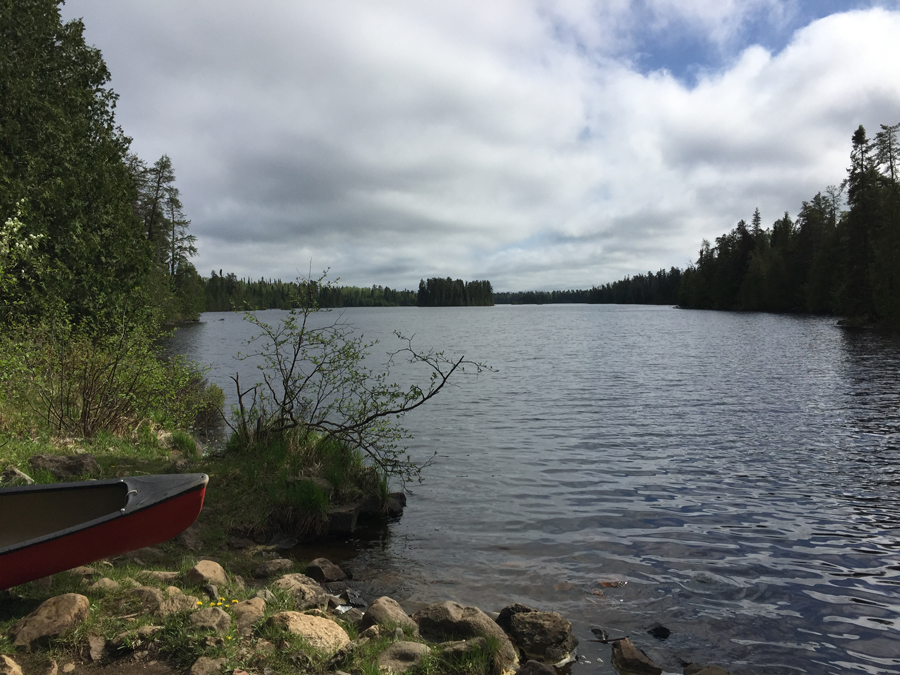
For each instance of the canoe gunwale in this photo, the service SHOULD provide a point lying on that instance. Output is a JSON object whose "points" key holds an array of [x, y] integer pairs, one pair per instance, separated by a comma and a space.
{"points": [[140, 496]]}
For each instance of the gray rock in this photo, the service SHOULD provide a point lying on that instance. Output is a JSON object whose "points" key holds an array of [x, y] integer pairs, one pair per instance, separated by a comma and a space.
{"points": [[96, 645], [207, 666], [212, 618], [265, 595], [451, 620], [455, 652], [12, 476], [504, 620], [353, 598], [543, 636], [319, 632], [386, 611], [162, 577], [322, 569], [247, 613], [401, 656], [269, 568], [104, 584], [343, 519], [9, 667], [207, 572], [629, 659], [353, 616], [163, 603], [307, 593], [50, 620], [190, 538], [65, 466]]}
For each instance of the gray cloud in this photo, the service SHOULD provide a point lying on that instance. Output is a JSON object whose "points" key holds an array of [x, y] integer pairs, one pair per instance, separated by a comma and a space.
{"points": [[511, 141]]}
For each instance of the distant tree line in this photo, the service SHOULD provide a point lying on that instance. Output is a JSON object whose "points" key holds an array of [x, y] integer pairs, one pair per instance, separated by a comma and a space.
{"points": [[225, 292], [449, 292], [827, 261]]}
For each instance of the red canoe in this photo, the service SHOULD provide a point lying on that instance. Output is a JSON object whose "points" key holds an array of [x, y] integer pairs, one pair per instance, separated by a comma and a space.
{"points": [[46, 529]]}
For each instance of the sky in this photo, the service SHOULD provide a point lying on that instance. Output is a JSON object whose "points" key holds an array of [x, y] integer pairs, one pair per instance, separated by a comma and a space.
{"points": [[539, 144]]}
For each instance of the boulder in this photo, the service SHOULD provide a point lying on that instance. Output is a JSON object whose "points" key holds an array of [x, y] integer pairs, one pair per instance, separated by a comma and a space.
{"points": [[207, 666], [450, 620], [247, 613], [629, 659], [163, 603], [307, 593], [401, 656], [162, 577], [50, 620], [104, 584], [454, 652], [9, 667], [12, 476], [212, 618], [386, 611], [322, 569], [543, 636], [269, 568], [206, 572], [65, 466], [504, 620], [321, 633]]}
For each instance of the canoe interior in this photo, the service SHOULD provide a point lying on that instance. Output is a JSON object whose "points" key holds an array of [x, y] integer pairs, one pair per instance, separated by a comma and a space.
{"points": [[27, 515]]}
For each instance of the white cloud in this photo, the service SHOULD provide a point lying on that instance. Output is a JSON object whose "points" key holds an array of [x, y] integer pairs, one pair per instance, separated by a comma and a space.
{"points": [[502, 140]]}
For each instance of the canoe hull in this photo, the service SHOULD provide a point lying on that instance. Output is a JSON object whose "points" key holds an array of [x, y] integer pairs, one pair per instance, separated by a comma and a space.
{"points": [[162, 510]]}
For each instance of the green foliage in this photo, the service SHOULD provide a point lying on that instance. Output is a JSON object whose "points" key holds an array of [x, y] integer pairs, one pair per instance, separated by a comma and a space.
{"points": [[90, 378], [314, 381], [62, 169]]}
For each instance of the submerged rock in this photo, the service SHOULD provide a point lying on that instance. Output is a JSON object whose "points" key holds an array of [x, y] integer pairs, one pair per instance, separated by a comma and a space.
{"points": [[629, 659]]}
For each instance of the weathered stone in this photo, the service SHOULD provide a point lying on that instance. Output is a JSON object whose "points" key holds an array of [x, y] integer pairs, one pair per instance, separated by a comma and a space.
{"points": [[50, 620], [694, 669], [9, 667], [190, 538], [12, 476], [247, 613], [104, 584], [370, 633], [543, 636], [533, 667], [156, 601], [162, 577], [266, 595], [386, 611], [393, 507], [504, 619], [132, 639], [68, 668], [353, 616], [320, 633], [51, 668], [451, 620], [401, 656], [628, 658], [322, 569], [65, 466], [96, 645], [206, 572], [307, 593], [207, 666], [454, 652], [269, 568], [353, 598], [343, 519], [212, 618]]}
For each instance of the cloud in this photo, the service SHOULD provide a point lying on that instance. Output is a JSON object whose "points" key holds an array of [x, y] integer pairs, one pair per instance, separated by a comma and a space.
{"points": [[524, 143]]}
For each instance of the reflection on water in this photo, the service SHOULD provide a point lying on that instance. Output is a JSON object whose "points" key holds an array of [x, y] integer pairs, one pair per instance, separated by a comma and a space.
{"points": [[740, 472]]}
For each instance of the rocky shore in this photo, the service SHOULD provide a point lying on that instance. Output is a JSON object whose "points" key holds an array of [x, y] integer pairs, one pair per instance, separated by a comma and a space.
{"points": [[119, 617]]}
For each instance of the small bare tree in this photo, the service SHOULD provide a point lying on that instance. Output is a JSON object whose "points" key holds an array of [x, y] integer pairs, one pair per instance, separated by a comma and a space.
{"points": [[314, 381]]}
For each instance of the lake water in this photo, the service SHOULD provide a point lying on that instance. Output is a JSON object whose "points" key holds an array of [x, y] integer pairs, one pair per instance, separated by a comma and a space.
{"points": [[738, 472]]}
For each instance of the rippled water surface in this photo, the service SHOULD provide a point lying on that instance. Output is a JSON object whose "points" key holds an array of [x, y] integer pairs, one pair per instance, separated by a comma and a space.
{"points": [[733, 477]]}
